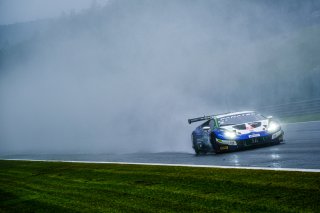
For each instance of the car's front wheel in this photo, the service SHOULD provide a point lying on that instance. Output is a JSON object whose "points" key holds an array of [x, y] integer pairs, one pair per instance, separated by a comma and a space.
{"points": [[214, 144]]}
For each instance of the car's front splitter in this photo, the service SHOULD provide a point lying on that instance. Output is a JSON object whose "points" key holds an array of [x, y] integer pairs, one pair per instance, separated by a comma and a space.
{"points": [[232, 145]]}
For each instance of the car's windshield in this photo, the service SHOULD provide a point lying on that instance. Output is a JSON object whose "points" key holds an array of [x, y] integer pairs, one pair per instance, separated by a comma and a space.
{"points": [[240, 118]]}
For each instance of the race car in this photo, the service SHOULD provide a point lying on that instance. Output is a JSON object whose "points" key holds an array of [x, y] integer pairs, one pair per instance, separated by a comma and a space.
{"points": [[234, 131]]}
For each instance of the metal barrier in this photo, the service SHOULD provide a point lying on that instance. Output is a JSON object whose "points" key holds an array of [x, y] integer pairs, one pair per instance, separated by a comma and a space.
{"points": [[304, 107]]}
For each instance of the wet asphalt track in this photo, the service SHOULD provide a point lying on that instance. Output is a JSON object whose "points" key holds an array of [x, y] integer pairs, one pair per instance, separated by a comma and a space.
{"points": [[301, 149]]}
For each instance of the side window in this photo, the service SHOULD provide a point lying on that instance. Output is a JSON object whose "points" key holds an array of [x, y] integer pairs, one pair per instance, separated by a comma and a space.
{"points": [[205, 124], [212, 124]]}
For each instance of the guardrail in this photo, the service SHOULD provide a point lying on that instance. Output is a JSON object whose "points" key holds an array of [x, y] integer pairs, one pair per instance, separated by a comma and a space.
{"points": [[305, 107]]}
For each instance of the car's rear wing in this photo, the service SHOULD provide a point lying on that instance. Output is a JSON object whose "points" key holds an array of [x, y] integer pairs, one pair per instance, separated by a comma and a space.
{"points": [[206, 117]]}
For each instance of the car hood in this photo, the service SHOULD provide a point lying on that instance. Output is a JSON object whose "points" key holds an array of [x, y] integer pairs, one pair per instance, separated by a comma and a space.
{"points": [[244, 130]]}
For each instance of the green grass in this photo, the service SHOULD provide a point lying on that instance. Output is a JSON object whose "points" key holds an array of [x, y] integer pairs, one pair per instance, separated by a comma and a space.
{"points": [[301, 118], [78, 187]]}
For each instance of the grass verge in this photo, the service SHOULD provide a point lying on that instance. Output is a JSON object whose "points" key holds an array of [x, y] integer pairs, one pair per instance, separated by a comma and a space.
{"points": [[79, 187]]}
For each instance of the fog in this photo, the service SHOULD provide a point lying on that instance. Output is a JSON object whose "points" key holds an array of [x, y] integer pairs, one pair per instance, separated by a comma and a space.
{"points": [[15, 11], [125, 76]]}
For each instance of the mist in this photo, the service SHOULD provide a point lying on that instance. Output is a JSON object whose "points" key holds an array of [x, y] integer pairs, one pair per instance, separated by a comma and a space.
{"points": [[125, 77], [16, 11]]}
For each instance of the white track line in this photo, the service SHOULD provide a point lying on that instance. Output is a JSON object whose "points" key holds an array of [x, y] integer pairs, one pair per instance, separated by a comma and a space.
{"points": [[181, 165]]}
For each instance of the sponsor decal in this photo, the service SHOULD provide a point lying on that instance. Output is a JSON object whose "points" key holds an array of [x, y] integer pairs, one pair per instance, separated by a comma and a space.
{"points": [[222, 120], [254, 135]]}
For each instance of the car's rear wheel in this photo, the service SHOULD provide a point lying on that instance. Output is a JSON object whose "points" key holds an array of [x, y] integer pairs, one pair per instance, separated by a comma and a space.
{"points": [[196, 150]]}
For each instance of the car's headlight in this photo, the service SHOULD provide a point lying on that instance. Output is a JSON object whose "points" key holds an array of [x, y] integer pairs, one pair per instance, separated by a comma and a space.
{"points": [[273, 127], [230, 135]]}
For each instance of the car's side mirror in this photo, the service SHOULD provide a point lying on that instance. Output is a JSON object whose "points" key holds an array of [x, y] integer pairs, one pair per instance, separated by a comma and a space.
{"points": [[206, 128]]}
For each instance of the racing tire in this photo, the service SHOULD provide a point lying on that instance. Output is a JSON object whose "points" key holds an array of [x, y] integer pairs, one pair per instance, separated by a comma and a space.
{"points": [[197, 151], [200, 152], [217, 148], [214, 144], [276, 141]]}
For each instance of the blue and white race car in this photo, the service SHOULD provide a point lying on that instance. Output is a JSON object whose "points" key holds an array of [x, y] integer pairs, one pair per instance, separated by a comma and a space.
{"points": [[233, 131]]}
